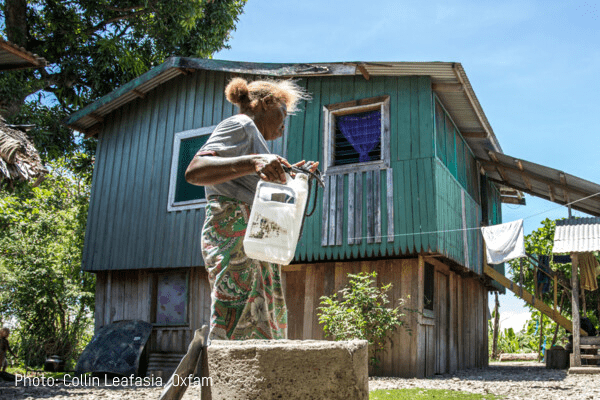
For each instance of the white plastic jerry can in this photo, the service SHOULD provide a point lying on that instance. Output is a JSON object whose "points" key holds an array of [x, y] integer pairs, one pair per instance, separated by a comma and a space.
{"points": [[276, 219]]}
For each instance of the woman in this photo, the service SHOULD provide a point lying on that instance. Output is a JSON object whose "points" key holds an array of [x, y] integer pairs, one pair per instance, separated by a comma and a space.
{"points": [[247, 296]]}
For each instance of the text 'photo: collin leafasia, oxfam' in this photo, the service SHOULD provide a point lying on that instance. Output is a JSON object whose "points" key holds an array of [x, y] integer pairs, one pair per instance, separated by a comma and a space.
{"points": [[88, 381]]}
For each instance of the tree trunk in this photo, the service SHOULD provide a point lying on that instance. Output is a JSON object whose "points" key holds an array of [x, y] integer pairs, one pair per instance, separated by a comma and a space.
{"points": [[496, 327], [16, 22]]}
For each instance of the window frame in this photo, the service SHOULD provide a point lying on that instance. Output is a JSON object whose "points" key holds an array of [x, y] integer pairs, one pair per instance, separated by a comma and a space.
{"points": [[172, 205], [331, 111]]}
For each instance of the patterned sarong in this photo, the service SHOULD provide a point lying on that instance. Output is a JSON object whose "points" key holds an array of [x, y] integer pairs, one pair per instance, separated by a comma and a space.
{"points": [[246, 295]]}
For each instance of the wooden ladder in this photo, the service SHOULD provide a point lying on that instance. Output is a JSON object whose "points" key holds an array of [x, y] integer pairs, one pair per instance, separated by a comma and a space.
{"points": [[590, 343], [530, 299]]}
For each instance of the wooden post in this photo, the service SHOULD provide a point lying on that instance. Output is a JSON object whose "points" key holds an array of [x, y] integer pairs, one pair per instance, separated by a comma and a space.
{"points": [[555, 292], [536, 291], [521, 277], [576, 356], [540, 344], [496, 327]]}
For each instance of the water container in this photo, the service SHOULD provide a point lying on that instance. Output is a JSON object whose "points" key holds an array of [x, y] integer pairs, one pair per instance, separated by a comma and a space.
{"points": [[275, 220]]}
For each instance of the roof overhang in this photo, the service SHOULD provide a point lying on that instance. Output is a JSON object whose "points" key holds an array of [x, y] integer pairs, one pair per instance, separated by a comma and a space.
{"points": [[15, 57], [449, 82], [544, 182], [577, 235]]}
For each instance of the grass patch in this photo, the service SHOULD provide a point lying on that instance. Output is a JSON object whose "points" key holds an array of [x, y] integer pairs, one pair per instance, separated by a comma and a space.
{"points": [[439, 394]]}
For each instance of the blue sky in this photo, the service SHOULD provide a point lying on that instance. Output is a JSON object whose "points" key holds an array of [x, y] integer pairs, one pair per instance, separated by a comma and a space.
{"points": [[534, 66]]}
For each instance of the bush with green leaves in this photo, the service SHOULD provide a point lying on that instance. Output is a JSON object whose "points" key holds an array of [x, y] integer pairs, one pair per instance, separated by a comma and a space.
{"points": [[43, 291], [361, 311]]}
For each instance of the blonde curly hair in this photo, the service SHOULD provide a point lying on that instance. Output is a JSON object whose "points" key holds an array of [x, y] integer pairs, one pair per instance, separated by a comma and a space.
{"points": [[250, 96]]}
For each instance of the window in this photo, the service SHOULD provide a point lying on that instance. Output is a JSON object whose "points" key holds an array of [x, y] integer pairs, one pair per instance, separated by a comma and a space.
{"points": [[428, 282], [357, 133], [171, 300], [182, 195]]}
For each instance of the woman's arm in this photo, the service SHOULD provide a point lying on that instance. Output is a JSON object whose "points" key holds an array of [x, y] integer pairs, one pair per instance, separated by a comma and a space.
{"points": [[212, 170]]}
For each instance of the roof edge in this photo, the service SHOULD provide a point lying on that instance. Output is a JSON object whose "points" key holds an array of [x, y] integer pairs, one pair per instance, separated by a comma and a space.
{"points": [[71, 121]]}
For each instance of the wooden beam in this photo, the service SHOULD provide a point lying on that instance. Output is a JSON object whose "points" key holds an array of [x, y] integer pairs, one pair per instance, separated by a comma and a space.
{"points": [[448, 87], [498, 166], [363, 71], [512, 200], [551, 193], [138, 93], [576, 356], [474, 134], [528, 297], [96, 117], [534, 176]]}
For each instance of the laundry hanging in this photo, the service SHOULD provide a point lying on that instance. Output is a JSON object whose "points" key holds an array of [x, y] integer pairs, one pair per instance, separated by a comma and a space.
{"points": [[504, 242], [589, 271]]}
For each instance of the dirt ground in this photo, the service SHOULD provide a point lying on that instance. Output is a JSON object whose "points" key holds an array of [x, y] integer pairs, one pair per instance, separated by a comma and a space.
{"points": [[511, 380]]}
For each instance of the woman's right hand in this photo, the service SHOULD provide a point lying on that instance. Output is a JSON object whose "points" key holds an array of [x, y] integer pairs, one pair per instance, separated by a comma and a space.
{"points": [[269, 167]]}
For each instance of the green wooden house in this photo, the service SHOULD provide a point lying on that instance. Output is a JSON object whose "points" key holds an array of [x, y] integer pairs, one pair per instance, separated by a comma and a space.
{"points": [[409, 207]]}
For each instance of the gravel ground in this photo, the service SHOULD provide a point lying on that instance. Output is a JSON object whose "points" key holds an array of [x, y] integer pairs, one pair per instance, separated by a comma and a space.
{"points": [[510, 380], [514, 381]]}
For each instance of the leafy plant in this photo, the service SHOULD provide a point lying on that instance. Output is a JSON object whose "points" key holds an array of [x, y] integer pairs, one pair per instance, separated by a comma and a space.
{"points": [[42, 288], [361, 313]]}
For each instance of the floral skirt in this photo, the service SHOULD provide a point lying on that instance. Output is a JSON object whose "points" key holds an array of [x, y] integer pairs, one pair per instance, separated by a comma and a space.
{"points": [[246, 295]]}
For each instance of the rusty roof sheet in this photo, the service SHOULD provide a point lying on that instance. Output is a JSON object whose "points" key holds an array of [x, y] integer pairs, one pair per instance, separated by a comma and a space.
{"points": [[579, 235], [15, 57]]}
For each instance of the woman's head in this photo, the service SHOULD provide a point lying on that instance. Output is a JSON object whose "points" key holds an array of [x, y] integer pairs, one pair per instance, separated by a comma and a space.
{"points": [[4, 332], [258, 95]]}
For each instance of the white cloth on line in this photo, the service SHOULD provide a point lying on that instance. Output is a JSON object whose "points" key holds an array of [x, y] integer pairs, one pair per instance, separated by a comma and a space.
{"points": [[504, 242]]}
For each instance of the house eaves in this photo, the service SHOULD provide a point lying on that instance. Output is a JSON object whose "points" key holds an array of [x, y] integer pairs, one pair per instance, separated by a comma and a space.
{"points": [[15, 57], [544, 182], [449, 82]]}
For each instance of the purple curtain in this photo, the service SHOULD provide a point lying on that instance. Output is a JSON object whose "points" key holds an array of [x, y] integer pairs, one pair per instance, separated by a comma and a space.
{"points": [[172, 299], [362, 130]]}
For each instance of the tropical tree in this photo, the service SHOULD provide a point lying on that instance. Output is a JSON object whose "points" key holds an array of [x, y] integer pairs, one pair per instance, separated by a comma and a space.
{"points": [[42, 288], [94, 46]]}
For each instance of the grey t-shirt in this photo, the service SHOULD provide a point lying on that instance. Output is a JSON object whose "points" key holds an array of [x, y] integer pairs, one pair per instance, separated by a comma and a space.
{"points": [[236, 136]]}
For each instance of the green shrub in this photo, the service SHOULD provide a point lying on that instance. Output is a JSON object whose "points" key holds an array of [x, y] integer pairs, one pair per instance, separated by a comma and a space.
{"points": [[362, 313]]}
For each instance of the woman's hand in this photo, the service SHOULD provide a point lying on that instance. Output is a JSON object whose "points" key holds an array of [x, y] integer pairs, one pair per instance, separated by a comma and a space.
{"points": [[269, 167]]}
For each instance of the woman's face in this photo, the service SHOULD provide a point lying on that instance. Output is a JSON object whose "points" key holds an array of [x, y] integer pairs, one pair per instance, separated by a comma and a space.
{"points": [[271, 122]]}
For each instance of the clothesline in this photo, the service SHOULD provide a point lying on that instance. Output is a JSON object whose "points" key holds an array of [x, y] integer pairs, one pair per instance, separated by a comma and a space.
{"points": [[466, 229]]}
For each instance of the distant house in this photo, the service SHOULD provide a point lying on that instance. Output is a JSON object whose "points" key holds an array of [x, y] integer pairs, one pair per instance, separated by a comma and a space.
{"points": [[409, 206]]}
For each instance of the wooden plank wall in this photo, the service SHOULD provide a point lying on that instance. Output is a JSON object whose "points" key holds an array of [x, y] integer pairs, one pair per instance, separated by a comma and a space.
{"points": [[343, 218], [455, 339], [122, 295]]}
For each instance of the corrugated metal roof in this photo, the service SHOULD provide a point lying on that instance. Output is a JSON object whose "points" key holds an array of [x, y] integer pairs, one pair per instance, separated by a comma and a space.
{"points": [[460, 101], [577, 235], [15, 57], [544, 182]]}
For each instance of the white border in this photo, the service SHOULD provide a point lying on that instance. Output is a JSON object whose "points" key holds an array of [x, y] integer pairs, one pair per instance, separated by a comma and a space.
{"points": [[189, 204], [329, 126]]}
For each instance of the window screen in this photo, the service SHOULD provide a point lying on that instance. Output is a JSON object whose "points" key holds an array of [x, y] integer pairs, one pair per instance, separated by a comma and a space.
{"points": [[183, 190], [357, 138]]}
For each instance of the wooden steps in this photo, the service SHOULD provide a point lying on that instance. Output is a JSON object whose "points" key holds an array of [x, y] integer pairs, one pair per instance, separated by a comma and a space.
{"points": [[530, 299], [163, 364]]}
